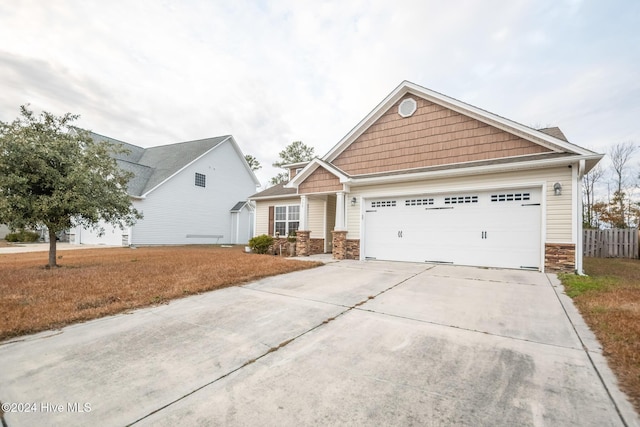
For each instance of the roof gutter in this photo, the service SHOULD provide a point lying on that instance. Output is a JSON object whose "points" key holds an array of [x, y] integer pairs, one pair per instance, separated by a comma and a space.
{"points": [[281, 196], [473, 170]]}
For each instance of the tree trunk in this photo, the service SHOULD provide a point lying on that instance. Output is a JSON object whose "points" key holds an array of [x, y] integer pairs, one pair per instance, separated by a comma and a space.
{"points": [[52, 248]]}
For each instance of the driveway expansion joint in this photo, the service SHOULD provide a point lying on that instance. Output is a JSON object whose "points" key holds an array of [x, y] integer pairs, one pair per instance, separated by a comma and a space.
{"points": [[245, 364], [295, 297], [444, 325], [279, 346], [446, 276]]}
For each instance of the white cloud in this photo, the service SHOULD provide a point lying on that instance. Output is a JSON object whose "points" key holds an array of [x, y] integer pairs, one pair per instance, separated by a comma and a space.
{"points": [[269, 73]]}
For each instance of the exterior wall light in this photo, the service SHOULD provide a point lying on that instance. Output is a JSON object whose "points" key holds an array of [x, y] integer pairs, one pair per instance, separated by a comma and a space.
{"points": [[353, 201], [557, 189]]}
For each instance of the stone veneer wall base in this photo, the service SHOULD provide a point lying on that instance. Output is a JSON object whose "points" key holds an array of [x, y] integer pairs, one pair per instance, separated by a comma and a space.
{"points": [[559, 257]]}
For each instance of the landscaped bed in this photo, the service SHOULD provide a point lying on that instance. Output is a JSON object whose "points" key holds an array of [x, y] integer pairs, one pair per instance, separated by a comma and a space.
{"points": [[609, 300], [92, 283]]}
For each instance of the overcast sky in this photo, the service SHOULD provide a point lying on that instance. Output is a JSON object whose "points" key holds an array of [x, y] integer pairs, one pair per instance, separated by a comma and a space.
{"points": [[153, 72]]}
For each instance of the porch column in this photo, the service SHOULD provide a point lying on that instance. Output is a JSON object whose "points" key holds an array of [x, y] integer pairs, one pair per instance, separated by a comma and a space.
{"points": [[303, 213], [340, 213], [303, 243]]}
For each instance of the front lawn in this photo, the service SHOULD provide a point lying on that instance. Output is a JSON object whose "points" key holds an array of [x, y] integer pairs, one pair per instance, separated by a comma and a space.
{"points": [[609, 300], [93, 283]]}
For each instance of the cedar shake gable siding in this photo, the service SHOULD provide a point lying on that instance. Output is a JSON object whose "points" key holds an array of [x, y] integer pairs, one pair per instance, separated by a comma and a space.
{"points": [[320, 181], [432, 136]]}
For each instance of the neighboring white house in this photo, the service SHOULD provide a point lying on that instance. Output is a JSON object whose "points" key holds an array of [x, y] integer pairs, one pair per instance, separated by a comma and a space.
{"points": [[189, 193], [4, 230], [427, 178]]}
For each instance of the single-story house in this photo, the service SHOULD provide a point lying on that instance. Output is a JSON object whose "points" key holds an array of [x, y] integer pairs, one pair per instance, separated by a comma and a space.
{"points": [[191, 192], [427, 178]]}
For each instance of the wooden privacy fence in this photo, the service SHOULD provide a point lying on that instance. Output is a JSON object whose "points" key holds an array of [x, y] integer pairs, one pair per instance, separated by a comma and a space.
{"points": [[611, 243]]}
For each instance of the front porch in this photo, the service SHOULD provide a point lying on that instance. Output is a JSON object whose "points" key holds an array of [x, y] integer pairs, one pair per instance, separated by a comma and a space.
{"points": [[325, 214]]}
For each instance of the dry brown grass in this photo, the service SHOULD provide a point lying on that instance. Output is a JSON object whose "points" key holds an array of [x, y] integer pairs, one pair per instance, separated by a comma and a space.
{"points": [[610, 304], [92, 283]]}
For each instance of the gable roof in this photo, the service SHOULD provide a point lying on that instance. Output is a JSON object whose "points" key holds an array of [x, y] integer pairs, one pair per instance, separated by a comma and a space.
{"points": [[544, 139], [167, 160], [312, 166], [155, 165], [528, 147], [241, 205]]}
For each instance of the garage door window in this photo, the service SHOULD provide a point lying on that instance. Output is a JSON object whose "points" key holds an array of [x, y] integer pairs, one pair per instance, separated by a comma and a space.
{"points": [[418, 202], [456, 200], [383, 204], [287, 219], [510, 197]]}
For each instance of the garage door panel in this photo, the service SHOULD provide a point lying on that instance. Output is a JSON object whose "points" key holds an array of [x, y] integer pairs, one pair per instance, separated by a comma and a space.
{"points": [[485, 229]]}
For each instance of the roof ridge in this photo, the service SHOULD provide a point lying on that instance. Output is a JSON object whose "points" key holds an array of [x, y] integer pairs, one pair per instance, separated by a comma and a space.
{"points": [[222, 137]]}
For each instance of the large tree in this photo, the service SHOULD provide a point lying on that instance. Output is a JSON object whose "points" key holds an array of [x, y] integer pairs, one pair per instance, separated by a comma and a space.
{"points": [[620, 155], [295, 152], [53, 174]]}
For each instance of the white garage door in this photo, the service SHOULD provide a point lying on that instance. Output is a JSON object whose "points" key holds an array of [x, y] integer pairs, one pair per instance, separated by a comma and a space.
{"points": [[491, 229]]}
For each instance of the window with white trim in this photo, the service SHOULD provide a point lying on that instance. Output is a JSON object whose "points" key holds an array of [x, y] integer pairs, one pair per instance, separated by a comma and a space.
{"points": [[287, 219], [201, 180]]}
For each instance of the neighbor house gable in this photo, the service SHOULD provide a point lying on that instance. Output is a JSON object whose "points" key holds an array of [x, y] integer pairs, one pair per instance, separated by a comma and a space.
{"points": [[168, 161]]}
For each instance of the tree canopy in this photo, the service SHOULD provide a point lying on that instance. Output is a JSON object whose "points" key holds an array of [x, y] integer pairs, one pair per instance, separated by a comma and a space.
{"points": [[253, 163], [55, 175], [619, 206], [295, 152]]}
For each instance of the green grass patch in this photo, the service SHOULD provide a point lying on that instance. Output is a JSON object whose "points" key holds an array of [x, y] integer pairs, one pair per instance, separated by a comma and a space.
{"points": [[577, 285], [609, 301]]}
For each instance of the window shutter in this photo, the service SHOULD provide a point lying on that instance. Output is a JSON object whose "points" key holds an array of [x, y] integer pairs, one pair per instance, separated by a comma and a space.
{"points": [[270, 220]]}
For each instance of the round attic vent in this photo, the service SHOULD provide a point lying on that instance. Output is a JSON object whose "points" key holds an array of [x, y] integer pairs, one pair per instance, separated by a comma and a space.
{"points": [[407, 107]]}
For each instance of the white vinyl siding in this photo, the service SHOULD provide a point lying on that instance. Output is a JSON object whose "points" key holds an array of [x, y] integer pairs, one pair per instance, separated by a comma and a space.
{"points": [[316, 219], [178, 212], [240, 232], [112, 235], [557, 209], [331, 221]]}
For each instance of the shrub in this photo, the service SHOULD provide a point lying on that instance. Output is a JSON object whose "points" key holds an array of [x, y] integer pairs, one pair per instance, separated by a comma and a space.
{"points": [[22, 236], [260, 244]]}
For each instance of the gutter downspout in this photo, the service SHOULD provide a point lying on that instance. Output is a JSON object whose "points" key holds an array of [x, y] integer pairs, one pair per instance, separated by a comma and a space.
{"points": [[579, 232]]}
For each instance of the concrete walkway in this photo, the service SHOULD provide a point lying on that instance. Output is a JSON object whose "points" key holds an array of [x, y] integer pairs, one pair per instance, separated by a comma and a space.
{"points": [[350, 343]]}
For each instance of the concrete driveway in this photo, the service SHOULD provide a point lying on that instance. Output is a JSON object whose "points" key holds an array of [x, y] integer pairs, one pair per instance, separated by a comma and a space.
{"points": [[358, 343]]}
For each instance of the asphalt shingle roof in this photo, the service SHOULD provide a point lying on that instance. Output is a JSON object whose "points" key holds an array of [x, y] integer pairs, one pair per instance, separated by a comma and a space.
{"points": [[276, 190], [151, 166], [554, 132], [238, 206]]}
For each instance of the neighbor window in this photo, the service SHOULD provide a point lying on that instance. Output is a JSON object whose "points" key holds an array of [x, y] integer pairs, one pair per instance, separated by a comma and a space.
{"points": [[287, 219], [201, 180]]}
